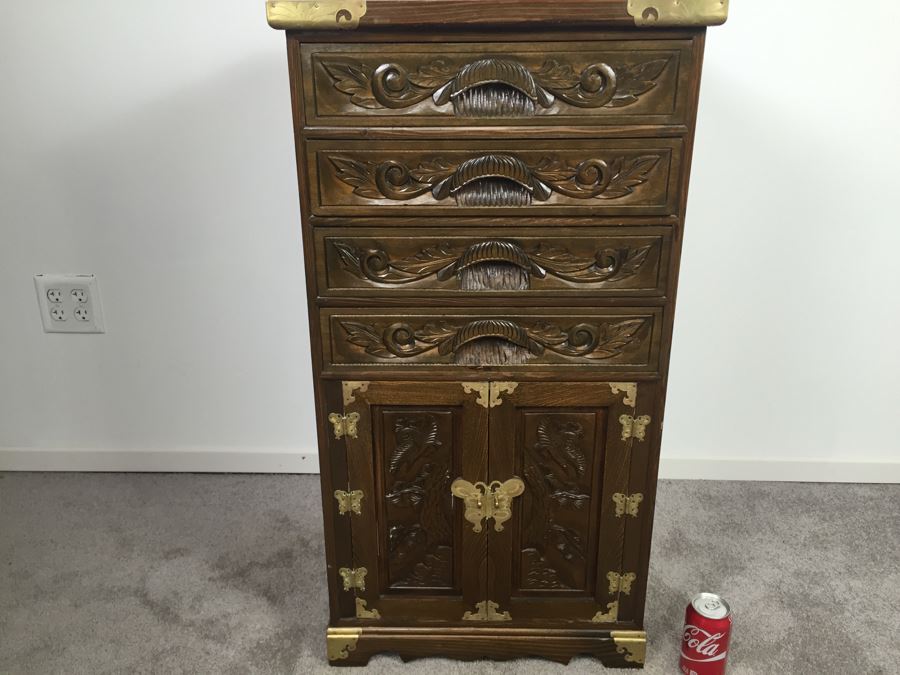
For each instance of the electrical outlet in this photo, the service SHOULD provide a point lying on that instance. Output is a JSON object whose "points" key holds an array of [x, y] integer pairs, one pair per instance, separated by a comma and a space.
{"points": [[69, 303]]}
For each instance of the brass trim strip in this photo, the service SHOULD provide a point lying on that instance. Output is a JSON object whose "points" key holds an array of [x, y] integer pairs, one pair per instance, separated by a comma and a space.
{"points": [[339, 642], [631, 643], [314, 14], [678, 12]]}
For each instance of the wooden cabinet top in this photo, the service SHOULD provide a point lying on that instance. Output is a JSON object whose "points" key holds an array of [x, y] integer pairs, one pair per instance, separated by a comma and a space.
{"points": [[354, 14]]}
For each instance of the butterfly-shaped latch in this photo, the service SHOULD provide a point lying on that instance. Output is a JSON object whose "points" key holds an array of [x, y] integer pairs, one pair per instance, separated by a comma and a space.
{"points": [[487, 500]]}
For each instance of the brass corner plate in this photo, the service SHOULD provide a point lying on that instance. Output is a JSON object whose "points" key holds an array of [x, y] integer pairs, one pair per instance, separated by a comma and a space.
{"points": [[486, 610], [678, 12], [631, 643], [627, 388], [498, 389], [611, 615], [314, 14], [483, 389], [350, 388], [341, 641], [363, 612]]}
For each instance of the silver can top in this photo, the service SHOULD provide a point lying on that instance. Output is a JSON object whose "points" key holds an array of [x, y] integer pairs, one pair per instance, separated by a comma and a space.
{"points": [[711, 606]]}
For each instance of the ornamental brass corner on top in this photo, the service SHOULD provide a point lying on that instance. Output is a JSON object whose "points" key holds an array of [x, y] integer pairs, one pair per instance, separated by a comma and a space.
{"points": [[314, 14], [678, 12]]}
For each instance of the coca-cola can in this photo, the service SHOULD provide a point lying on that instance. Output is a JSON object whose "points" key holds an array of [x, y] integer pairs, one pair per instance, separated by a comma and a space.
{"points": [[707, 631]]}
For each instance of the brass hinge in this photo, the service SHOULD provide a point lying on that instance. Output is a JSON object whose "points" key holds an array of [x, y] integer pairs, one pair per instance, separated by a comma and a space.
{"points": [[353, 577], [486, 611], [634, 427], [344, 425], [611, 615], [363, 613], [627, 503], [620, 582], [349, 502], [487, 500], [314, 14]]}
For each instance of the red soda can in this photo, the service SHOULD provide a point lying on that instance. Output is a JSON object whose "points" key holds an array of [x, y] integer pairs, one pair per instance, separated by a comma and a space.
{"points": [[707, 630]]}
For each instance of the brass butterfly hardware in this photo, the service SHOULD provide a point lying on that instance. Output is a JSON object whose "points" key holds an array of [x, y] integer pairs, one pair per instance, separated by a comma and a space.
{"points": [[487, 500], [627, 503], [353, 578], [486, 611], [349, 502], [344, 425], [363, 613], [611, 615], [634, 427], [620, 582]]}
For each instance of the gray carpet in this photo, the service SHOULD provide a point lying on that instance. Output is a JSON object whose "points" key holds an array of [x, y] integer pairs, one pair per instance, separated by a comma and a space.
{"points": [[187, 573]]}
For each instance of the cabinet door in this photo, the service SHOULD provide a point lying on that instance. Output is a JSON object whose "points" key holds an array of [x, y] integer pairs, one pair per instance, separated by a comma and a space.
{"points": [[412, 439], [560, 556]]}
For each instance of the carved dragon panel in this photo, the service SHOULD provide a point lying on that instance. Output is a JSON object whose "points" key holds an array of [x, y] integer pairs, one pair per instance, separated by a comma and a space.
{"points": [[559, 472], [416, 469]]}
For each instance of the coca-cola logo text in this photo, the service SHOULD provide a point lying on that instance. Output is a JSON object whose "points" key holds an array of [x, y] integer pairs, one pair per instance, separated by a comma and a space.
{"points": [[700, 643]]}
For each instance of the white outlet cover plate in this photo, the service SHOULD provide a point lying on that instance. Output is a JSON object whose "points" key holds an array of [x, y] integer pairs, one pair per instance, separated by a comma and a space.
{"points": [[69, 303]]}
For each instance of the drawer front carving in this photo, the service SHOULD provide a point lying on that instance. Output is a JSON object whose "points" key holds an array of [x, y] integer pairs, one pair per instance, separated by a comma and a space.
{"points": [[612, 82], [561, 177], [611, 339], [380, 262]]}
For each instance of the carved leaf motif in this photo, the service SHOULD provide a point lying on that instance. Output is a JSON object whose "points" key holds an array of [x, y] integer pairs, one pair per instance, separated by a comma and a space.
{"points": [[567, 541], [354, 79], [358, 174], [428, 260], [560, 443], [363, 335], [632, 262], [548, 335], [433, 75], [436, 333], [434, 171], [349, 258], [553, 170], [557, 75], [636, 80], [616, 337], [628, 174]]}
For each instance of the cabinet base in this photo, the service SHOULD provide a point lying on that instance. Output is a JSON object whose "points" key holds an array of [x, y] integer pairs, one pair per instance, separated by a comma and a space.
{"points": [[615, 649]]}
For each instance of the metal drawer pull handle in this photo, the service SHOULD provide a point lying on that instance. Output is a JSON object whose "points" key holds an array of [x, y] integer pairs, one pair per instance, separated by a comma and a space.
{"points": [[498, 505]]}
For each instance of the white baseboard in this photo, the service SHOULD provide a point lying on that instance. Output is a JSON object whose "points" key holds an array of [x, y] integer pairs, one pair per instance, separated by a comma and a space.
{"points": [[267, 460]]}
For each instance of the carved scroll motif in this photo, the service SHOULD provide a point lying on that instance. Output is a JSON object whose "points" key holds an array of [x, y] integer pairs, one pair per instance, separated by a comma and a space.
{"points": [[495, 179], [444, 261], [494, 87], [584, 340]]}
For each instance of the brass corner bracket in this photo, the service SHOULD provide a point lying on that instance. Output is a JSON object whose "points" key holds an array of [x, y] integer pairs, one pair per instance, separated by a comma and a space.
{"points": [[350, 388], [314, 14], [363, 612], [486, 610], [340, 642], [631, 643], [489, 393], [627, 388], [678, 12], [611, 615]]}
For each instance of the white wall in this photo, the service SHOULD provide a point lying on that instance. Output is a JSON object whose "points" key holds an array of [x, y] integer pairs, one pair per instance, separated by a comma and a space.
{"points": [[150, 144]]}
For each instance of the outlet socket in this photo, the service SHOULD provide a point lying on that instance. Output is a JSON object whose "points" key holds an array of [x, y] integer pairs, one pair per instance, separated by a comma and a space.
{"points": [[69, 303]]}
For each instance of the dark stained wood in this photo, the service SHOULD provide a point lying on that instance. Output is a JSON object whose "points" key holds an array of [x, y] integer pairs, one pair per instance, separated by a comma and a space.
{"points": [[452, 253], [589, 83], [361, 178], [363, 262]]}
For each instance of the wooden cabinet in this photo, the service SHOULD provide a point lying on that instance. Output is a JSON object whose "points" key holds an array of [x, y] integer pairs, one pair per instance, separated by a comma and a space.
{"points": [[493, 199]]}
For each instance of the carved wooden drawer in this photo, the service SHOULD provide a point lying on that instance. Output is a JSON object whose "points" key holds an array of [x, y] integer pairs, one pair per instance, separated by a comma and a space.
{"points": [[587, 177], [596, 83], [364, 261], [613, 339]]}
